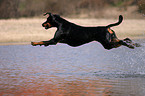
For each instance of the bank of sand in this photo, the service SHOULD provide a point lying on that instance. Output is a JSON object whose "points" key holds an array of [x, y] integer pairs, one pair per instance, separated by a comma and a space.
{"points": [[23, 31]]}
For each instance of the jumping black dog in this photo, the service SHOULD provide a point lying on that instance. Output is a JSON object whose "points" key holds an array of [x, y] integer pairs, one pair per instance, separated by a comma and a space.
{"points": [[75, 35]]}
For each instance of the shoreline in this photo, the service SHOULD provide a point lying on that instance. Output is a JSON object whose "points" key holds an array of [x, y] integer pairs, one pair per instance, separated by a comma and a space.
{"points": [[29, 43], [14, 43]]}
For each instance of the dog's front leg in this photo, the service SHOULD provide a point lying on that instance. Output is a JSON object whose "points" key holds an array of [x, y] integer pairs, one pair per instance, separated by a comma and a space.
{"points": [[37, 43], [45, 43]]}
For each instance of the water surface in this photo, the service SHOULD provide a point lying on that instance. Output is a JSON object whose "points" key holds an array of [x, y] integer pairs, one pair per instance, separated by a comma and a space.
{"points": [[61, 70]]}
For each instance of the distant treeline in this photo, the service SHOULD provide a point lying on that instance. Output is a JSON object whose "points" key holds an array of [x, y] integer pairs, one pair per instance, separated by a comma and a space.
{"points": [[30, 8]]}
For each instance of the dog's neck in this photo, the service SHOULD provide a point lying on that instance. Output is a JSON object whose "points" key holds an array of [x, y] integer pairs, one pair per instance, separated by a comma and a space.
{"points": [[60, 21]]}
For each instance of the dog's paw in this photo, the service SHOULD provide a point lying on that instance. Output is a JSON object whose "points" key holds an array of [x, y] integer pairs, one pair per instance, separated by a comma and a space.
{"points": [[33, 43], [137, 45], [131, 46]]}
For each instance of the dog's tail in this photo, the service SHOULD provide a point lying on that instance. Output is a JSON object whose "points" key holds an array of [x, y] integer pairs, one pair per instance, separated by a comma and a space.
{"points": [[115, 24]]}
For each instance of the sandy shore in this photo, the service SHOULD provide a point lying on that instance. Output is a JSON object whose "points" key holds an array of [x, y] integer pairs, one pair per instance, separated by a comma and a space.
{"points": [[23, 31]]}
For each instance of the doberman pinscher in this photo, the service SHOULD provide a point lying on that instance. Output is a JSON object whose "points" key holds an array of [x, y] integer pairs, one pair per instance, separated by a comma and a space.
{"points": [[75, 35]]}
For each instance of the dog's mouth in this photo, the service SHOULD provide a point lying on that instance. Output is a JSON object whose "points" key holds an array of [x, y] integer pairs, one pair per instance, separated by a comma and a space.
{"points": [[47, 25]]}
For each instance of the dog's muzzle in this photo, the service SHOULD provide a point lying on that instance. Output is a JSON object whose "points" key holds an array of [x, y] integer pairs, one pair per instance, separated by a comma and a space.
{"points": [[46, 25]]}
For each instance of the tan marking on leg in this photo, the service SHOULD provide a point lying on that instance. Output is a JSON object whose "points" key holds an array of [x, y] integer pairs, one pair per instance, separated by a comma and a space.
{"points": [[116, 40], [118, 45], [110, 31], [37, 43]]}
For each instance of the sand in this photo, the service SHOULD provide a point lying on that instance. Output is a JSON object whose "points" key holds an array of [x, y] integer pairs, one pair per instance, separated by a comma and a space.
{"points": [[23, 31]]}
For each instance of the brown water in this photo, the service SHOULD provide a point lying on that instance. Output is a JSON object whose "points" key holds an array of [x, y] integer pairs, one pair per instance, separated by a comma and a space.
{"points": [[61, 70]]}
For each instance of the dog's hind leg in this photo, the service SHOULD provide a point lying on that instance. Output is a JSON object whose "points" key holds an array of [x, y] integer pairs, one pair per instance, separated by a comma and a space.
{"points": [[129, 45], [127, 40]]}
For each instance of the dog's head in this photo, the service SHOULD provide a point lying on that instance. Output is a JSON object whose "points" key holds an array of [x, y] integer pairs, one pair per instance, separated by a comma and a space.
{"points": [[51, 21]]}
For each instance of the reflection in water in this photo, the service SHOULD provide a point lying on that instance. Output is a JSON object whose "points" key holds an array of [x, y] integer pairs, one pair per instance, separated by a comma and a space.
{"points": [[61, 70], [61, 88]]}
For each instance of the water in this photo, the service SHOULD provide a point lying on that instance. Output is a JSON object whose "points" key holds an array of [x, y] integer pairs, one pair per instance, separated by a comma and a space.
{"points": [[61, 70]]}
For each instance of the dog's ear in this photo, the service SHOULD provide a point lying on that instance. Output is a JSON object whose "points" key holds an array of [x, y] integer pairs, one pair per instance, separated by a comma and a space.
{"points": [[49, 14]]}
